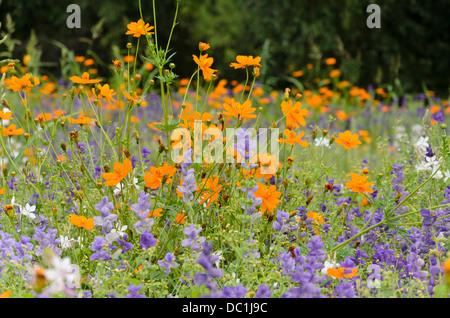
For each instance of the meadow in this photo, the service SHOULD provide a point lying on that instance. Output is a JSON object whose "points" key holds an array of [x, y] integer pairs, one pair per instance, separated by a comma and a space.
{"points": [[131, 186]]}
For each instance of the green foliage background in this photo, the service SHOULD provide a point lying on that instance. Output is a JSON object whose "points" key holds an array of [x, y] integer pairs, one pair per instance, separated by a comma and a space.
{"points": [[413, 44]]}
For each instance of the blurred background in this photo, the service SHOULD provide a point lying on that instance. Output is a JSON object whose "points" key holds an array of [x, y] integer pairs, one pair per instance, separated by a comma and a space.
{"points": [[411, 49]]}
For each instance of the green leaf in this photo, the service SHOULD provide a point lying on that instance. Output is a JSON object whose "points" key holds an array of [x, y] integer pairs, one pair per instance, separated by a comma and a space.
{"points": [[134, 281], [441, 291]]}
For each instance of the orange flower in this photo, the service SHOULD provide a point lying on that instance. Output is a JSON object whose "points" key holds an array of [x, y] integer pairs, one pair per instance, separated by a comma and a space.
{"points": [[82, 120], [315, 216], [154, 178], [214, 188], [105, 92], [128, 59], [6, 115], [298, 73], [6, 294], [138, 28], [12, 131], [89, 62], [79, 59], [269, 196], [84, 79], [267, 161], [359, 183], [294, 114], [58, 113], [205, 63], [2, 190], [244, 61], [335, 73], [342, 272], [236, 109], [82, 221], [155, 213], [43, 117], [293, 138], [180, 218], [23, 84], [330, 61], [120, 172], [348, 140], [203, 46]]}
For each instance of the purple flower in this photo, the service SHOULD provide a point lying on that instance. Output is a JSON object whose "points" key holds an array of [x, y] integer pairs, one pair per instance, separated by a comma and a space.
{"points": [[134, 291], [188, 187], [282, 218], [263, 292], [168, 263], [142, 207], [99, 246], [147, 240], [193, 240]]}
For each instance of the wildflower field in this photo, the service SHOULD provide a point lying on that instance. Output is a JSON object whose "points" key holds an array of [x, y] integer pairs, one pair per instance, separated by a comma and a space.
{"points": [[145, 184]]}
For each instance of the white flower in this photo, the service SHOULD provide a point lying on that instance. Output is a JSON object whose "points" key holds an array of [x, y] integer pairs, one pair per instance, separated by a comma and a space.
{"points": [[62, 275], [423, 166], [66, 242], [373, 283], [446, 176], [322, 141], [327, 265], [218, 253], [119, 186], [421, 145], [120, 229], [28, 211]]}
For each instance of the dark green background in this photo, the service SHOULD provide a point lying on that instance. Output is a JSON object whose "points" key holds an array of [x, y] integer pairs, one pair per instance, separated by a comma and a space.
{"points": [[412, 45]]}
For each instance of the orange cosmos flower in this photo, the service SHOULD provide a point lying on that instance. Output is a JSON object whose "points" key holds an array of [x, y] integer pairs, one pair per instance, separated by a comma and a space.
{"points": [[342, 272], [155, 213], [138, 28], [79, 59], [2, 191], [82, 120], [12, 131], [317, 218], [267, 161], [154, 178], [82, 221], [359, 183], [236, 109], [180, 218], [348, 140], [128, 59], [23, 84], [205, 63], [244, 61], [293, 138], [6, 294], [214, 188], [106, 93], [298, 73], [84, 79], [120, 172], [294, 114], [43, 117], [335, 73], [89, 62], [203, 46], [269, 196], [6, 115], [330, 61]]}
